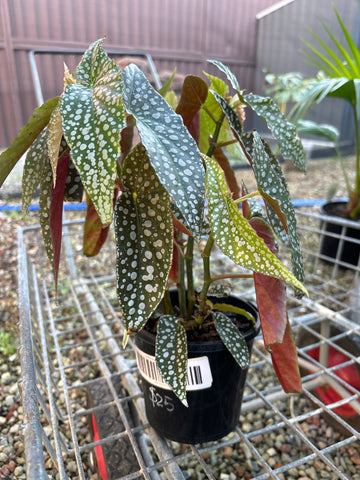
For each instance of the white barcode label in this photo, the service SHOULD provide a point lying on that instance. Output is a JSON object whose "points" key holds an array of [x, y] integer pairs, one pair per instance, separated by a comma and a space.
{"points": [[198, 372]]}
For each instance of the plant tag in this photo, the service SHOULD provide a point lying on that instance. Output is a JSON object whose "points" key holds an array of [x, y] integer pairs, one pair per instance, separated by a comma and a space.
{"points": [[198, 372]]}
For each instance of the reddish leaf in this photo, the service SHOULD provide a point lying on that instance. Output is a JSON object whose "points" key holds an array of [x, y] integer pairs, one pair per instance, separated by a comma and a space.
{"points": [[127, 137], [95, 233], [270, 293], [193, 95], [179, 226], [271, 302], [56, 209], [284, 358]]}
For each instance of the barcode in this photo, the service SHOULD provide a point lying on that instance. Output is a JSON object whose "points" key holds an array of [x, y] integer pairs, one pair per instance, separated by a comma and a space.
{"points": [[198, 372]]}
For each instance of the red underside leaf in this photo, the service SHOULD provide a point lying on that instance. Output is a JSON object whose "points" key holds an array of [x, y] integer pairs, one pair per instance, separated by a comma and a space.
{"points": [[56, 209], [284, 358], [271, 302], [193, 95], [95, 233], [270, 293], [179, 226]]}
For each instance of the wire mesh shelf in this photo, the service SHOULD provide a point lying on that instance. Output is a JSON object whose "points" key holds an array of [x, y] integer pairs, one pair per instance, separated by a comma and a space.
{"points": [[81, 395]]}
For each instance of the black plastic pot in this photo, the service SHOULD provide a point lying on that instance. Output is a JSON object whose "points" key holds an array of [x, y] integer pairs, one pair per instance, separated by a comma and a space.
{"points": [[332, 246], [214, 405]]}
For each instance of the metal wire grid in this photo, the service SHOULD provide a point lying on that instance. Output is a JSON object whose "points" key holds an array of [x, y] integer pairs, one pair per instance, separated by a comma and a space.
{"points": [[72, 342]]}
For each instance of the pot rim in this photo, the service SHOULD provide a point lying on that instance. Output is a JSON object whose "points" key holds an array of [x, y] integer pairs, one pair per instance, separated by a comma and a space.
{"points": [[214, 345]]}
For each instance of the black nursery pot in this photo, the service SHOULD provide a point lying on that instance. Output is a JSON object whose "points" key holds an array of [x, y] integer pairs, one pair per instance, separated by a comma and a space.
{"points": [[330, 245], [214, 392]]}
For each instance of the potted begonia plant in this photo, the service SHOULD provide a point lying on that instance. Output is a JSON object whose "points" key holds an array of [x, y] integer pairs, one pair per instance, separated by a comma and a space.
{"points": [[166, 193]]}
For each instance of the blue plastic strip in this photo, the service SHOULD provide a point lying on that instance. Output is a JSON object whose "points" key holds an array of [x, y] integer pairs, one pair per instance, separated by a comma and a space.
{"points": [[312, 202], [35, 208]]}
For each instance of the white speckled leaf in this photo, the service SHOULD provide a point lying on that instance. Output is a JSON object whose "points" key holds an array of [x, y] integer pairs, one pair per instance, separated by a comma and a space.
{"points": [[34, 160], [46, 183], [283, 130], [144, 240], [271, 180], [223, 68], [172, 151], [233, 233], [93, 115], [54, 140], [232, 338], [171, 354]]}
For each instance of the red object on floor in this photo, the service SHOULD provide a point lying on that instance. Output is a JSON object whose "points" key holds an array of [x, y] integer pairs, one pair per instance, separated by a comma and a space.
{"points": [[98, 451], [349, 374]]}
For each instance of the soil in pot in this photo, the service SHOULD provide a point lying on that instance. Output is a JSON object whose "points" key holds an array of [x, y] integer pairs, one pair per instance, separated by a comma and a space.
{"points": [[214, 391], [333, 246]]}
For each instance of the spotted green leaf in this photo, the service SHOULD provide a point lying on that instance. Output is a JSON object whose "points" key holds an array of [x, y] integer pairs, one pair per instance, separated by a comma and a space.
{"points": [[144, 239], [92, 116], [232, 338], [26, 137], [233, 233], [34, 161], [171, 149], [54, 139], [271, 180], [283, 130], [207, 126], [171, 354], [74, 188], [46, 183]]}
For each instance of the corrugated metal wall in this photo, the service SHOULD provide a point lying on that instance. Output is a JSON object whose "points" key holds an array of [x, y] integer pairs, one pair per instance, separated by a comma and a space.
{"points": [[177, 33], [279, 46], [181, 33]]}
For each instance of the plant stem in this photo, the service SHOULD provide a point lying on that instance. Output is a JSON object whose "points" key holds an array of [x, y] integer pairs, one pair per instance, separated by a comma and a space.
{"points": [[246, 197], [181, 277], [207, 275], [213, 143], [168, 309], [189, 254]]}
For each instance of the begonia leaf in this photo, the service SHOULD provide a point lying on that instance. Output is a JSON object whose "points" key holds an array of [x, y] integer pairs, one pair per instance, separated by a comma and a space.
{"points": [[266, 108], [25, 137], [144, 239], [56, 209], [92, 117], [74, 188], [218, 88], [171, 354], [95, 233], [284, 131], [54, 139], [232, 338], [270, 293], [193, 96], [284, 358], [51, 208], [233, 233], [172, 151], [271, 181], [35, 159]]}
